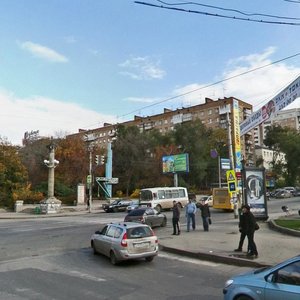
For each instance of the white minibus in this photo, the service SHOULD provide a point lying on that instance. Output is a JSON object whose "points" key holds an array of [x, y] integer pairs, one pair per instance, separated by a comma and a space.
{"points": [[161, 198]]}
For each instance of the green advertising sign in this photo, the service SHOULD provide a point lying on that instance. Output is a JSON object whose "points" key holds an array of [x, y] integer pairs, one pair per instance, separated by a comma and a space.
{"points": [[175, 163]]}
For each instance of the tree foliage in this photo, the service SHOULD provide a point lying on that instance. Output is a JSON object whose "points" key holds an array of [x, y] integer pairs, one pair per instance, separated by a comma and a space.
{"points": [[13, 175], [285, 140]]}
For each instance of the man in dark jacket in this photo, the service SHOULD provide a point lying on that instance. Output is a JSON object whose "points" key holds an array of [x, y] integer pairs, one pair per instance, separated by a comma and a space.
{"points": [[248, 228], [205, 214], [175, 218], [242, 229]]}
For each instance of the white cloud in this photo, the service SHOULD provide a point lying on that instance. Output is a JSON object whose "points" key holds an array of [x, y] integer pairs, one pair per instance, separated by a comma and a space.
{"points": [[43, 52], [141, 99], [256, 87], [142, 68], [49, 116]]}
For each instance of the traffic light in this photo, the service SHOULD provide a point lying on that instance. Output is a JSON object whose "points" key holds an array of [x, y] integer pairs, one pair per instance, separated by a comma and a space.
{"points": [[97, 160]]}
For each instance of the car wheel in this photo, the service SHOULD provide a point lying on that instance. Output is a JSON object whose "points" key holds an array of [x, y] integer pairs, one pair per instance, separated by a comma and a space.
{"points": [[113, 258], [149, 258], [164, 223], [158, 208], [94, 248], [243, 297], [115, 209]]}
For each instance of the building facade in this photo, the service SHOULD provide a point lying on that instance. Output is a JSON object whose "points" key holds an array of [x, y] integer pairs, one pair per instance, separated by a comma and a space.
{"points": [[225, 113], [285, 118]]}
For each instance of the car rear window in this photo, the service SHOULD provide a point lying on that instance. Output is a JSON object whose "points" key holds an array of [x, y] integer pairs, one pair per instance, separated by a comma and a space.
{"points": [[137, 212], [138, 232]]}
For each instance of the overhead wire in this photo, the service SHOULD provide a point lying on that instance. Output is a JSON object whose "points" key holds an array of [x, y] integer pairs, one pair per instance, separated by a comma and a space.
{"points": [[227, 9], [217, 15]]}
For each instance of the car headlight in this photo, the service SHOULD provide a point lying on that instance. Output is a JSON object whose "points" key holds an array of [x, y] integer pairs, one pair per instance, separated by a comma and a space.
{"points": [[228, 283]]}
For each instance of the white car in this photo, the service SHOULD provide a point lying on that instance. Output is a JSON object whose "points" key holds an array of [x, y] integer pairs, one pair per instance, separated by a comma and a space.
{"points": [[125, 241], [208, 199]]}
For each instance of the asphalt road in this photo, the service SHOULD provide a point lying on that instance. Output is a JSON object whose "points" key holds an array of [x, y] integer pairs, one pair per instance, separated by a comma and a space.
{"points": [[51, 259]]}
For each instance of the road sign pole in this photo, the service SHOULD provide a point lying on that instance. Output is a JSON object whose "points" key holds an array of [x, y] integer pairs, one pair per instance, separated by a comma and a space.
{"points": [[90, 185]]}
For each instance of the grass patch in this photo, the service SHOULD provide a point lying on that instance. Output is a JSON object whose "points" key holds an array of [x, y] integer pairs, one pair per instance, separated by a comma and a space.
{"points": [[291, 224]]}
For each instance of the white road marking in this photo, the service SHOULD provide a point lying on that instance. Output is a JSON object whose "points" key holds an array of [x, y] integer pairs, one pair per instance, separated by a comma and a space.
{"points": [[187, 259]]}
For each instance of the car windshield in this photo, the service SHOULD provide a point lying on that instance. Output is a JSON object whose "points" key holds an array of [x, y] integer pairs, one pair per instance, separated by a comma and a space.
{"points": [[115, 202], [138, 232]]}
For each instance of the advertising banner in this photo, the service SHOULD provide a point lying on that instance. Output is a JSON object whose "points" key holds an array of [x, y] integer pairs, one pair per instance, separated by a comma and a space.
{"points": [[236, 133], [175, 163], [280, 101]]}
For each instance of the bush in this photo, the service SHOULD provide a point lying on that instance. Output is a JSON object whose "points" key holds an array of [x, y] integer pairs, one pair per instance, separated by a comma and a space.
{"points": [[135, 194]]}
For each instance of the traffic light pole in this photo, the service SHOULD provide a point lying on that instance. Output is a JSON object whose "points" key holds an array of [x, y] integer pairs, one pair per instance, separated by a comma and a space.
{"points": [[90, 185]]}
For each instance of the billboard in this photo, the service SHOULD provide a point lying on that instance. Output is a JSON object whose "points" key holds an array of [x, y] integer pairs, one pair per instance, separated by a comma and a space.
{"points": [[175, 163], [255, 193], [280, 101]]}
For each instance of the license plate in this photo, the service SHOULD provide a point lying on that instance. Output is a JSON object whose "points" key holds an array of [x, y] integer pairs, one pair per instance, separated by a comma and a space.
{"points": [[141, 245]]}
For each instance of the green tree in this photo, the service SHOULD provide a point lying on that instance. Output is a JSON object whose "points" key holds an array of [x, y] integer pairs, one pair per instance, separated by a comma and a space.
{"points": [[285, 140], [13, 175]]}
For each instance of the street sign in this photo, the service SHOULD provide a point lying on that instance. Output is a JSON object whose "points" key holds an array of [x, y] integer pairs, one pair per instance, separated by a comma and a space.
{"points": [[102, 178], [231, 181], [113, 180]]}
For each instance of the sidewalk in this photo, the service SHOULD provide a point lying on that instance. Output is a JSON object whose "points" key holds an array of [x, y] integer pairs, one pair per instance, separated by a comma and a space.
{"points": [[274, 244], [218, 244]]}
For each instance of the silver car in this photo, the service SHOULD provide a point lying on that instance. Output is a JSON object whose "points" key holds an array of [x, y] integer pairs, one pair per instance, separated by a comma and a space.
{"points": [[124, 241]]}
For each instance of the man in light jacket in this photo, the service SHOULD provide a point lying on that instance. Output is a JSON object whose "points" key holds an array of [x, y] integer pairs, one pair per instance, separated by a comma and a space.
{"points": [[190, 213]]}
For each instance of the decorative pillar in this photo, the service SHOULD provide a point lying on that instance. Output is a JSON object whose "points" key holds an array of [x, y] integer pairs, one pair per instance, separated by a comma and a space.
{"points": [[51, 204]]}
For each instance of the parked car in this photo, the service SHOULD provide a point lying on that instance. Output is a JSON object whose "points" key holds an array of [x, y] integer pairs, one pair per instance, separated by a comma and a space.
{"points": [[125, 241], [291, 189], [133, 205], [297, 193], [281, 281], [116, 206], [208, 199], [283, 194], [147, 215]]}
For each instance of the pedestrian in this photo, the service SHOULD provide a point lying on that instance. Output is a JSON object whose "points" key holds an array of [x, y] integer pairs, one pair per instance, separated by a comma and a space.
{"points": [[190, 213], [205, 214], [249, 229], [176, 218], [242, 230]]}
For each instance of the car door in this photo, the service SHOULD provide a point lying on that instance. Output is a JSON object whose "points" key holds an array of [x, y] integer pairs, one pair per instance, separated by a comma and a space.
{"points": [[150, 217], [98, 239], [107, 240], [284, 283]]}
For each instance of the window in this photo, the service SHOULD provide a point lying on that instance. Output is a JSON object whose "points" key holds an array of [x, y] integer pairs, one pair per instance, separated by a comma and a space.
{"points": [[118, 232], [111, 231], [103, 231], [210, 111], [161, 195], [139, 232], [289, 274]]}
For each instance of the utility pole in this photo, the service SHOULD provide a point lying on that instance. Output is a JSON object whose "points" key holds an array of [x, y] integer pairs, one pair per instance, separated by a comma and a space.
{"points": [[90, 177]]}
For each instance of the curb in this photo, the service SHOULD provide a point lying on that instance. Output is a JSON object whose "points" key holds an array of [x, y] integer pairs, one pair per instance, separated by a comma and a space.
{"points": [[217, 258], [284, 230], [19, 216]]}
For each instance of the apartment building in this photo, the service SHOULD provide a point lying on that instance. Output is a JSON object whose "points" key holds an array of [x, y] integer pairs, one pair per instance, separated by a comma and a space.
{"points": [[285, 118], [225, 113]]}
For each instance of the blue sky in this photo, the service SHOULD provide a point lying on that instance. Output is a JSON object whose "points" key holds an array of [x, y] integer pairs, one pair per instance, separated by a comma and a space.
{"points": [[70, 64]]}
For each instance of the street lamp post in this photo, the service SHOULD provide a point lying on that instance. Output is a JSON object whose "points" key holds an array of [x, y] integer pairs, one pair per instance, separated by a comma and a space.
{"points": [[51, 204]]}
